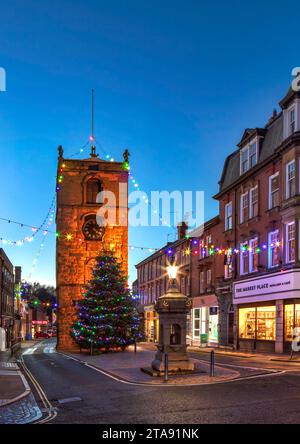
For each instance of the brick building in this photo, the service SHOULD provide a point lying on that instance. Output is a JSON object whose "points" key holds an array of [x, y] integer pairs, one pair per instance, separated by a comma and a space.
{"points": [[7, 313], [245, 273], [81, 239], [260, 212]]}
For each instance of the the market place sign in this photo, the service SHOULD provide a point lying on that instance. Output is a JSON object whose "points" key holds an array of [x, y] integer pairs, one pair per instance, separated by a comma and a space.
{"points": [[282, 285]]}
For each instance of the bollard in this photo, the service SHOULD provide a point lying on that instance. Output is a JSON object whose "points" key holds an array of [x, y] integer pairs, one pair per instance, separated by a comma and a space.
{"points": [[135, 346], [212, 363], [166, 367]]}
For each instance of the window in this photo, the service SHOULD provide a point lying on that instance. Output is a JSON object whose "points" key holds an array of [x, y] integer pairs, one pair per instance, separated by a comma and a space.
{"points": [[292, 121], [248, 157], [273, 191], [244, 259], [208, 277], [292, 320], [93, 188], [201, 282], [252, 155], [253, 202], [290, 180], [228, 265], [244, 161], [290, 242], [257, 323], [253, 255], [228, 216], [199, 322], [274, 249], [244, 208]]}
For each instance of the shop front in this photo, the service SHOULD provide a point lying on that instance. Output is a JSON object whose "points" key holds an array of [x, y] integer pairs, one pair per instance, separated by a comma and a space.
{"points": [[205, 321], [268, 311]]}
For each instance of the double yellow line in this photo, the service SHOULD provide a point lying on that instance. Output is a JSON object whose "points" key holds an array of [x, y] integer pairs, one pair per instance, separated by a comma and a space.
{"points": [[52, 413]]}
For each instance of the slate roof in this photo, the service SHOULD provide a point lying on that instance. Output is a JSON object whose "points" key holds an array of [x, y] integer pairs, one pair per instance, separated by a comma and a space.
{"points": [[272, 140]]}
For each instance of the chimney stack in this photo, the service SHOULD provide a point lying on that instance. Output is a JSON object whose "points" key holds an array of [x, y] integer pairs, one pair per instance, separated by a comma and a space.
{"points": [[181, 230]]}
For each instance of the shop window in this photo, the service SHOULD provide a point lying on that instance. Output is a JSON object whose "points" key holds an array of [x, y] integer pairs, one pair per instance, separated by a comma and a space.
{"points": [[291, 320], [257, 323], [290, 242]]}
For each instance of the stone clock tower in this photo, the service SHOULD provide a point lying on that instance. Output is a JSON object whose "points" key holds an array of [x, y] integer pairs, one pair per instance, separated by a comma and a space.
{"points": [[80, 238]]}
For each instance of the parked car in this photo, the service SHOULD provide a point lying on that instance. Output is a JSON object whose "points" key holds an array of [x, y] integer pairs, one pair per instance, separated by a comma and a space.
{"points": [[41, 335]]}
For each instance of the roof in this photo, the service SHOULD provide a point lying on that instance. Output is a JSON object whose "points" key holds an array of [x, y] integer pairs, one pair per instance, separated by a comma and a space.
{"points": [[272, 139]]}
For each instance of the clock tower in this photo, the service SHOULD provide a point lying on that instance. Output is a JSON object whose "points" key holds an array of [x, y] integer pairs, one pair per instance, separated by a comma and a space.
{"points": [[79, 236]]}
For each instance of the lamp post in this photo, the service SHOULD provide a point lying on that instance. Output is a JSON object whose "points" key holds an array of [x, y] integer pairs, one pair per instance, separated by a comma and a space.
{"points": [[172, 308]]}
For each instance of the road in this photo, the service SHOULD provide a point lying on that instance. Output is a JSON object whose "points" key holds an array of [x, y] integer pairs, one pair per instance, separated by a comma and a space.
{"points": [[77, 394]]}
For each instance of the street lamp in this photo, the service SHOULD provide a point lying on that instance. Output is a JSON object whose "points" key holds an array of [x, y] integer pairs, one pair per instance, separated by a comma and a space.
{"points": [[172, 272]]}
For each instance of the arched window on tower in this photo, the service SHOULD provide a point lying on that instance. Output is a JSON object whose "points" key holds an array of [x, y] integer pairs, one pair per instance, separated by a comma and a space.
{"points": [[93, 188]]}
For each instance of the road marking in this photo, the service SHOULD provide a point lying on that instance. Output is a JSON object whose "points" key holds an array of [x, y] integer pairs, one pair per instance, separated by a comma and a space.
{"points": [[47, 404]]}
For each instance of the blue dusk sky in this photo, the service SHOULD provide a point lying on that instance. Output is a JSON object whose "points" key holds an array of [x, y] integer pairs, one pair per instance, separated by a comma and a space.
{"points": [[176, 82]]}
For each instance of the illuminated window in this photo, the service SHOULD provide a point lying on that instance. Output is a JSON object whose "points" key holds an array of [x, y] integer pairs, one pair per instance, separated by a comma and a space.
{"points": [[290, 242], [274, 249], [244, 259], [258, 323], [253, 255], [291, 320]]}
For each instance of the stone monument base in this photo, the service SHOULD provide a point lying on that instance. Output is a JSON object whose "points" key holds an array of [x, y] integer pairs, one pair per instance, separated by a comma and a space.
{"points": [[178, 361]]}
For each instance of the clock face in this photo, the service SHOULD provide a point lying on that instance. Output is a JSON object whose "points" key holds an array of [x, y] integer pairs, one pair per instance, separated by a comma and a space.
{"points": [[93, 231]]}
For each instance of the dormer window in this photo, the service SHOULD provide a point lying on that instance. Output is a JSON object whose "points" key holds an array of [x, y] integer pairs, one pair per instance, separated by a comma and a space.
{"points": [[248, 157]]}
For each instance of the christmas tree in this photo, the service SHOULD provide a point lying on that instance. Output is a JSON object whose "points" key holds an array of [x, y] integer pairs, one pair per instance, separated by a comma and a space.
{"points": [[107, 315]]}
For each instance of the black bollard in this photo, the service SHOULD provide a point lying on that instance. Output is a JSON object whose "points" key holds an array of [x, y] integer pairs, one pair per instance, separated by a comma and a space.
{"points": [[166, 367], [135, 346], [212, 363]]}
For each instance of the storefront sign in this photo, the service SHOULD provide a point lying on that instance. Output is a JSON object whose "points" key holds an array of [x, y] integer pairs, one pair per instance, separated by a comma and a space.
{"points": [[39, 322], [282, 285]]}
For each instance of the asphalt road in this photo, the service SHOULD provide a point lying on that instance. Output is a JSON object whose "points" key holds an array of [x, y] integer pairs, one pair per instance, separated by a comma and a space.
{"points": [[80, 395]]}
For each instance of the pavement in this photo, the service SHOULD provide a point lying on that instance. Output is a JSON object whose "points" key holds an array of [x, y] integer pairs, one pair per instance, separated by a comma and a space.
{"points": [[127, 365], [17, 404]]}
